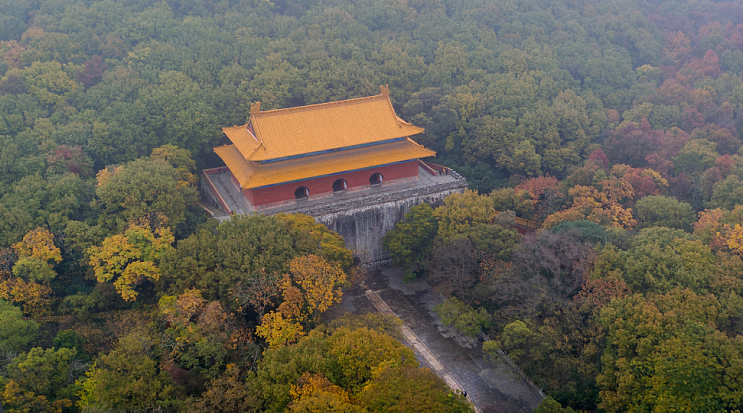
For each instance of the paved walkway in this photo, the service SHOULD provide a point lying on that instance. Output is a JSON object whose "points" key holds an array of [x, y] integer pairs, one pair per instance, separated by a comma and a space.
{"points": [[234, 199], [454, 357], [420, 347]]}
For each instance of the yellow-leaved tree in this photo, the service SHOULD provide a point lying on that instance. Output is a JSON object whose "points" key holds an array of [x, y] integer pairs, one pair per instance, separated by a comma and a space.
{"points": [[314, 284], [733, 236], [315, 393], [131, 257], [278, 330], [37, 254], [332, 246], [29, 289], [319, 280]]}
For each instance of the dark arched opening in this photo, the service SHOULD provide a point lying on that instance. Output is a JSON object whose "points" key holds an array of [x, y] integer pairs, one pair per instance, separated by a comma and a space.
{"points": [[301, 193], [375, 179], [340, 185]]}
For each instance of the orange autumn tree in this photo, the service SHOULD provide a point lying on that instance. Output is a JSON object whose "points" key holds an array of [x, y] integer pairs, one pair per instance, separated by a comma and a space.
{"points": [[33, 298], [644, 182], [131, 257], [38, 244], [545, 193], [602, 207], [279, 330], [181, 309], [707, 228], [721, 229]]}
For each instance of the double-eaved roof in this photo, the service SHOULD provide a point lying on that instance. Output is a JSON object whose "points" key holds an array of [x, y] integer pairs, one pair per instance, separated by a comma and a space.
{"points": [[291, 144]]}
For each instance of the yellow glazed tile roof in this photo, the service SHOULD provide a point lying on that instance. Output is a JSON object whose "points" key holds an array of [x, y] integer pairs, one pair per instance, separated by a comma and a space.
{"points": [[254, 175], [307, 129], [234, 160], [241, 137]]}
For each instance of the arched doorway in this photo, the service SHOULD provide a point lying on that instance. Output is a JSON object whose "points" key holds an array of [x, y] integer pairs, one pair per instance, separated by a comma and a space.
{"points": [[302, 193], [340, 185], [375, 179]]}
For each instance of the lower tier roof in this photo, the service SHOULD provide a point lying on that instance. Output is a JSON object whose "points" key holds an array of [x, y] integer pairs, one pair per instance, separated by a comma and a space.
{"points": [[254, 175]]}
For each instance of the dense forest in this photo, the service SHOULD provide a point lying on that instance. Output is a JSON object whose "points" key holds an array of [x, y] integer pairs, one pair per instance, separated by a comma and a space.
{"points": [[614, 125]]}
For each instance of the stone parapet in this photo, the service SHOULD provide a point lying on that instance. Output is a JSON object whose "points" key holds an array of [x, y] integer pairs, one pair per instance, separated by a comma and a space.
{"points": [[364, 221], [378, 199]]}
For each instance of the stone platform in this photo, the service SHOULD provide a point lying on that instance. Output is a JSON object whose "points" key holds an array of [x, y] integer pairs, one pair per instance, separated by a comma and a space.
{"points": [[361, 216]]}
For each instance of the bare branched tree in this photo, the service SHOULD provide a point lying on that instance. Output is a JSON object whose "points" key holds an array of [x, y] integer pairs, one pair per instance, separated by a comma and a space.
{"points": [[562, 259], [454, 267], [258, 292]]}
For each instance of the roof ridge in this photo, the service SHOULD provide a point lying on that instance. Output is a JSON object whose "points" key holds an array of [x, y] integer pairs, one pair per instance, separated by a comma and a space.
{"points": [[315, 106], [256, 134]]}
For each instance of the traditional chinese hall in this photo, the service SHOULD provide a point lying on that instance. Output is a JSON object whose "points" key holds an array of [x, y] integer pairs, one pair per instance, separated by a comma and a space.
{"points": [[290, 156]]}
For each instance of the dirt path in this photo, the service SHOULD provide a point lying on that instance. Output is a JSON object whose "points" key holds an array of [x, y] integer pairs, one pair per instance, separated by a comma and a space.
{"points": [[456, 358]]}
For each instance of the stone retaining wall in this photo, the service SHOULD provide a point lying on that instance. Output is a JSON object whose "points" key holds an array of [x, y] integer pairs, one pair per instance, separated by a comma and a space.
{"points": [[363, 222]]}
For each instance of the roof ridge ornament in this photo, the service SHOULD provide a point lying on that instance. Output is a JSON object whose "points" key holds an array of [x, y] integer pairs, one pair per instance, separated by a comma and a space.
{"points": [[384, 89], [255, 108]]}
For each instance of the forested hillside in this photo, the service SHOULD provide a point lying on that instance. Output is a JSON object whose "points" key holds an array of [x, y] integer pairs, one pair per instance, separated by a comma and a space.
{"points": [[615, 125]]}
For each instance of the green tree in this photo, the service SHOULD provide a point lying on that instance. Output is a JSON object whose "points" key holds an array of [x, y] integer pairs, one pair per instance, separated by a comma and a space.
{"points": [[332, 245], [549, 405], [179, 114], [281, 367], [493, 140], [460, 213], [589, 231], [16, 332], [727, 194], [498, 239], [42, 380], [127, 377], [221, 255], [72, 340], [411, 389], [47, 81], [508, 199], [661, 259], [663, 354], [143, 188], [411, 242], [34, 202], [178, 158], [465, 319], [663, 211], [696, 156]]}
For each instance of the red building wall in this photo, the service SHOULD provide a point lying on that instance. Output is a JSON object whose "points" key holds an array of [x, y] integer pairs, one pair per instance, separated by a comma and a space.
{"points": [[355, 179]]}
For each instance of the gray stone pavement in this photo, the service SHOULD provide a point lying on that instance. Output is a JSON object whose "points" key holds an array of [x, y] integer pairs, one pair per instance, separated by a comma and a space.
{"points": [[231, 195], [456, 358]]}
